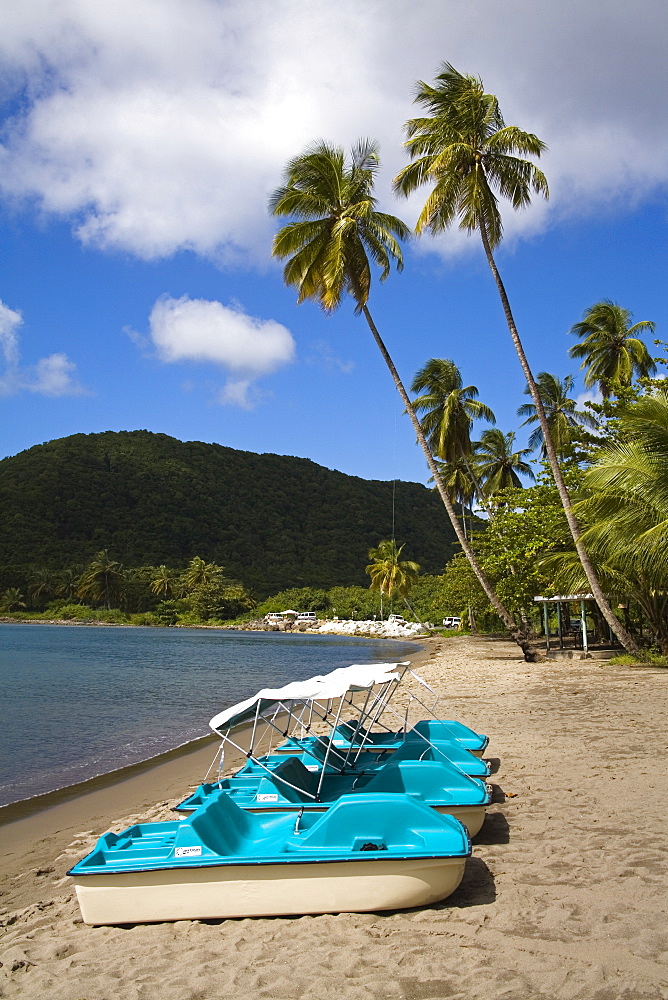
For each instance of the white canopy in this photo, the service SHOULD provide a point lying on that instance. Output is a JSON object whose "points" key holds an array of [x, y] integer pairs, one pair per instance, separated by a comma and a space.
{"points": [[357, 677]]}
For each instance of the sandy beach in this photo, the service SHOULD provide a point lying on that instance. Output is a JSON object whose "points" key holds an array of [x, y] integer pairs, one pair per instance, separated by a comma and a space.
{"points": [[565, 897]]}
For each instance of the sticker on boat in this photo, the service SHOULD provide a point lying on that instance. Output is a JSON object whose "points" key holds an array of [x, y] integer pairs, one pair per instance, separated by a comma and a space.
{"points": [[188, 852], [266, 798]]}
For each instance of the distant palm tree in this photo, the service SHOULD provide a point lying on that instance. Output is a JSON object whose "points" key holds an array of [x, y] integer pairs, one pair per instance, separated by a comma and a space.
{"points": [[11, 599], [338, 229], [67, 584], [42, 585], [497, 465], [449, 408], [390, 575], [165, 582], [102, 581], [469, 154], [200, 573], [561, 412], [457, 479], [611, 348]]}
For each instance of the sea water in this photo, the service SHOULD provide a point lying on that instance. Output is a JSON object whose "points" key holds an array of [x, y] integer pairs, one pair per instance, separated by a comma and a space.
{"points": [[79, 701]]}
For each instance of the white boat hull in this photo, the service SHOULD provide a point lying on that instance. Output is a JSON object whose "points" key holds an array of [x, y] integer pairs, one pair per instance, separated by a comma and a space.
{"points": [[266, 890], [471, 816]]}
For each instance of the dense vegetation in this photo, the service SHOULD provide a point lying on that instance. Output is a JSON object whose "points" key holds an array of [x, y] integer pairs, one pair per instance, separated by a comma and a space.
{"points": [[271, 521]]}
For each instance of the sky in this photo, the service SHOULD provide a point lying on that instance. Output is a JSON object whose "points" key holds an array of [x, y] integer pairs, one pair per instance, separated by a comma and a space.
{"points": [[140, 142]]}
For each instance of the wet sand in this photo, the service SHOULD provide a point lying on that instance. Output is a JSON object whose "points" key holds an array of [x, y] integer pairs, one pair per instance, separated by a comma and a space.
{"points": [[564, 898]]}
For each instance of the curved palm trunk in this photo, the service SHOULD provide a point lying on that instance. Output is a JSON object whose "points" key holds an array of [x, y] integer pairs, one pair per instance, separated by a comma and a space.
{"points": [[416, 615], [531, 654], [615, 624]]}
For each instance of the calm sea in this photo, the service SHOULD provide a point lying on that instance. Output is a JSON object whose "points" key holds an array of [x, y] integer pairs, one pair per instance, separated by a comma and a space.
{"points": [[84, 700]]}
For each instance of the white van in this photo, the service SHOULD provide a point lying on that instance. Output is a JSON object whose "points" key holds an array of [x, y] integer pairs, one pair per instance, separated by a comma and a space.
{"points": [[306, 616], [452, 621], [396, 620]]}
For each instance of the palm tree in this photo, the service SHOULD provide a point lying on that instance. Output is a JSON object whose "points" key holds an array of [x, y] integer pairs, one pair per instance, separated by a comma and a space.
{"points": [[11, 599], [611, 349], [42, 585], [466, 150], [449, 411], [165, 582], [389, 575], [337, 229], [627, 513], [200, 573], [497, 465], [629, 488], [68, 582], [457, 480], [449, 408], [561, 413], [102, 580]]}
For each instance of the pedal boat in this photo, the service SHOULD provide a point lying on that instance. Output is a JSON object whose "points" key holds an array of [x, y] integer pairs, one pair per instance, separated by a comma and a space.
{"points": [[290, 786], [316, 754], [367, 853], [354, 736]]}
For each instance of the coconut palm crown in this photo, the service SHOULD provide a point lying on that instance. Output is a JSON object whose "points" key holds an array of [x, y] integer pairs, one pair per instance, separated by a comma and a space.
{"points": [[466, 150], [390, 574], [449, 408], [339, 229], [611, 350], [497, 465], [563, 416]]}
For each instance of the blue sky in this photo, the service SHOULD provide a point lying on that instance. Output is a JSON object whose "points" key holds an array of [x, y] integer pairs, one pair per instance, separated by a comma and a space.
{"points": [[140, 142]]}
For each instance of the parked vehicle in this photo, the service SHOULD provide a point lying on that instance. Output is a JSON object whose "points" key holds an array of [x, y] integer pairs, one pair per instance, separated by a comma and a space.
{"points": [[452, 621], [396, 619], [307, 616]]}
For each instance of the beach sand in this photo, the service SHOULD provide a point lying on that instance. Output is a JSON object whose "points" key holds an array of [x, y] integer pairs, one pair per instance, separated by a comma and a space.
{"points": [[565, 897]]}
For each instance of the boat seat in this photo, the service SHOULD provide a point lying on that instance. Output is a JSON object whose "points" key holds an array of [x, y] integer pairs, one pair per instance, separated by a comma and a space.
{"points": [[219, 824], [292, 770]]}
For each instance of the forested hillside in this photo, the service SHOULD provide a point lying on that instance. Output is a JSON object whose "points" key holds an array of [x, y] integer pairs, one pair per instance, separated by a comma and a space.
{"points": [[271, 521]]}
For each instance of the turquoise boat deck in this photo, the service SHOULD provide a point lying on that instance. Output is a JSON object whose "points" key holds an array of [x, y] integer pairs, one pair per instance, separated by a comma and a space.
{"points": [[290, 785], [351, 735], [356, 828], [313, 751]]}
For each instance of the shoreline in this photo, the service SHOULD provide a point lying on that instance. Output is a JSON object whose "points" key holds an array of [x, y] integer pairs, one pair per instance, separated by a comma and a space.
{"points": [[147, 785], [21, 808]]}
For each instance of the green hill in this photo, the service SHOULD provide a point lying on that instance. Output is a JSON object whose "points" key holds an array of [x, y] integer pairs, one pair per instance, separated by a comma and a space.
{"points": [[272, 521]]}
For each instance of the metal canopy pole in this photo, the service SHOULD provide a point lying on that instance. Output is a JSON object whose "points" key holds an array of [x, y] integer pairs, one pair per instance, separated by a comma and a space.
{"points": [[583, 619]]}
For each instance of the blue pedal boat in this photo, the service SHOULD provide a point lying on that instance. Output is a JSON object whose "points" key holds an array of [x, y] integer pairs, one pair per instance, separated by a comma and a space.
{"points": [[368, 852], [316, 755], [290, 786], [352, 735]]}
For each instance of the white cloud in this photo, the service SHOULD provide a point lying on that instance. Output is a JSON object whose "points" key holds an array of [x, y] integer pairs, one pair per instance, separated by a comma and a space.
{"points": [[237, 393], [590, 396], [50, 376], [159, 125], [324, 357], [203, 331]]}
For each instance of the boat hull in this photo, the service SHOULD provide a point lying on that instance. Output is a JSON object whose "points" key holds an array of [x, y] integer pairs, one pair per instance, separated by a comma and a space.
{"points": [[266, 890]]}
